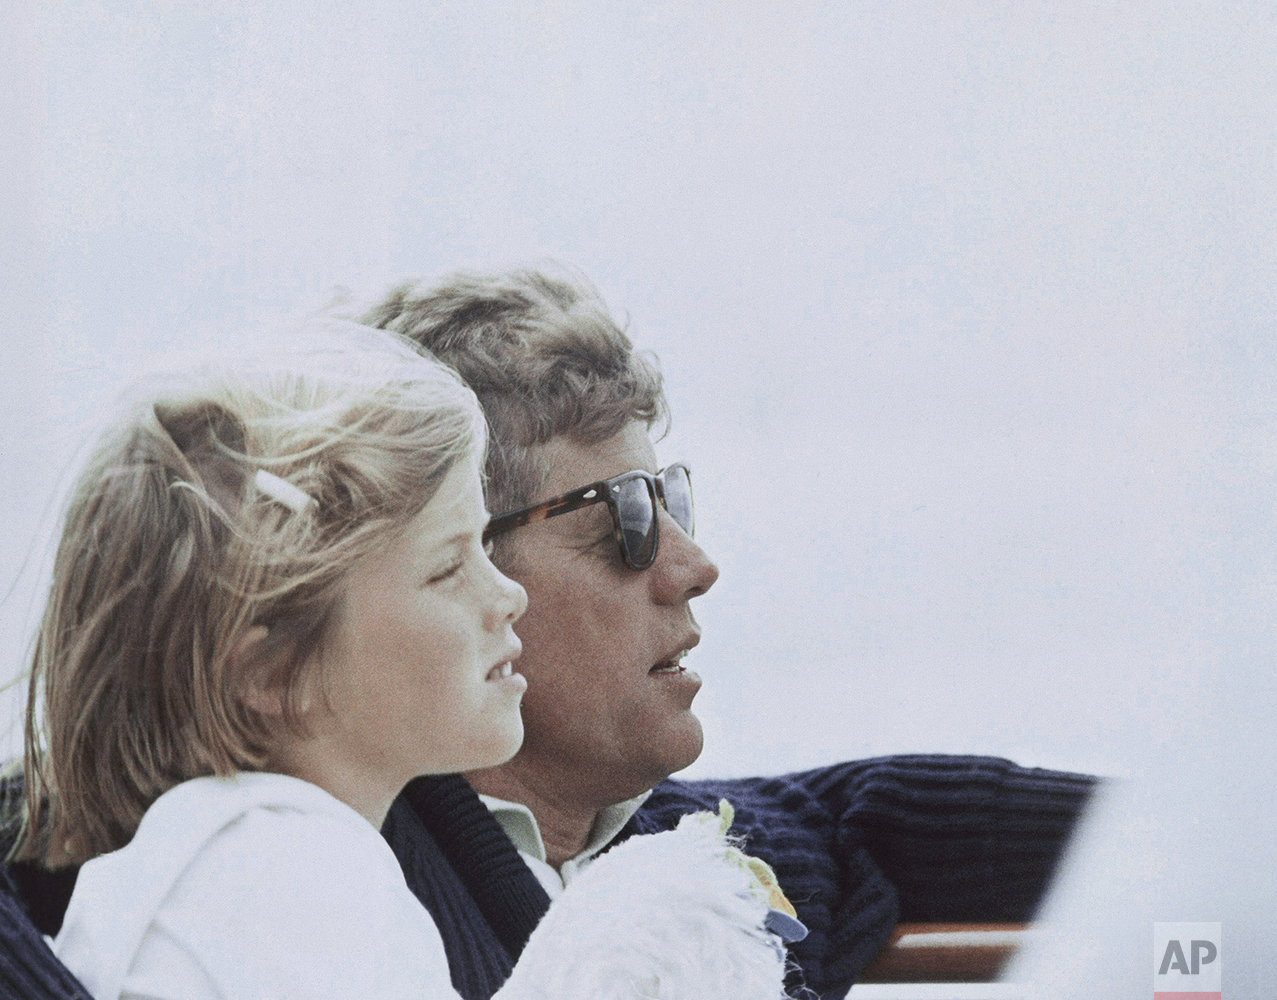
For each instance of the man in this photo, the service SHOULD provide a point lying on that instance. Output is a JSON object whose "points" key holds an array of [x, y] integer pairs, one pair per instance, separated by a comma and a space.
{"points": [[603, 544]]}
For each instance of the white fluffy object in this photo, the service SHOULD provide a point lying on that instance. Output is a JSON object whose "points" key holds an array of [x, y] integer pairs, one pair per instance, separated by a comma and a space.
{"points": [[665, 916]]}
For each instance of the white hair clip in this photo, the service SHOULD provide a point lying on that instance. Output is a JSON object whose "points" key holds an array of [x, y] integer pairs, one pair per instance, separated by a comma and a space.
{"points": [[282, 491]]}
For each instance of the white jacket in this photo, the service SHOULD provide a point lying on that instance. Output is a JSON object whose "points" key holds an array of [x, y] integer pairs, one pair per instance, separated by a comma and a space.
{"points": [[265, 887]]}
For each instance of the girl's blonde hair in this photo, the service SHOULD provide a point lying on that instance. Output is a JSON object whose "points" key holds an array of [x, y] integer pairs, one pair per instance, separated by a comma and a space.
{"points": [[179, 537]]}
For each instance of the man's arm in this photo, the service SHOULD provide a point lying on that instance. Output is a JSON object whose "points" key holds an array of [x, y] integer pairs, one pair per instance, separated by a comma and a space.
{"points": [[960, 838]]}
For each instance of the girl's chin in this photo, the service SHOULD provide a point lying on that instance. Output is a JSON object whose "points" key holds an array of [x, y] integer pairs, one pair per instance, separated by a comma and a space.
{"points": [[503, 744]]}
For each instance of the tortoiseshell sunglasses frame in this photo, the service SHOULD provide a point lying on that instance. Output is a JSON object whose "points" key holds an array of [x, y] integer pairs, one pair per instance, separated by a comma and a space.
{"points": [[601, 492]]}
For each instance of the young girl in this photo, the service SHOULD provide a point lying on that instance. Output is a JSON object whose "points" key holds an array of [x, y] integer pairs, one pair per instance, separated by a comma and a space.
{"points": [[271, 609]]}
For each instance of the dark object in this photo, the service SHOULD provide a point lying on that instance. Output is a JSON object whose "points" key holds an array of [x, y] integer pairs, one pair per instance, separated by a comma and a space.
{"points": [[45, 892], [28, 968]]}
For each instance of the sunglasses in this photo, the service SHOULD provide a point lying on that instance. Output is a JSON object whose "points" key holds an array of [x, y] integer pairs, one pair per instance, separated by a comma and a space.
{"points": [[631, 497]]}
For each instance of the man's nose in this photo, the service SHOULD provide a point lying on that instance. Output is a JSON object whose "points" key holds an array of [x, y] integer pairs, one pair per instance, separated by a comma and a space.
{"points": [[682, 569]]}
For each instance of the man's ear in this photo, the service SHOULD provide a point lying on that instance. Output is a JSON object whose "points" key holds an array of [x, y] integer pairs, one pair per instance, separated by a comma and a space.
{"points": [[256, 686]]}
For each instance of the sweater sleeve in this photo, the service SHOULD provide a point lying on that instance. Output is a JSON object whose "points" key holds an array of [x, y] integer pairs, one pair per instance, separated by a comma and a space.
{"points": [[960, 838]]}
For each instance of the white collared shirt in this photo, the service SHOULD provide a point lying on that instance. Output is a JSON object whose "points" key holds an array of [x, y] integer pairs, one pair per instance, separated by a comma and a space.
{"points": [[522, 828]]}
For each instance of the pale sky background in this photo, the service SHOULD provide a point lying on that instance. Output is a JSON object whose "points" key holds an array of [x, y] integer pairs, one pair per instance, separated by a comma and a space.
{"points": [[966, 310]]}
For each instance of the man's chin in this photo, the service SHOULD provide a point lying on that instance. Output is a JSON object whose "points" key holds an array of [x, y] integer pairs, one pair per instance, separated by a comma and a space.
{"points": [[684, 746]]}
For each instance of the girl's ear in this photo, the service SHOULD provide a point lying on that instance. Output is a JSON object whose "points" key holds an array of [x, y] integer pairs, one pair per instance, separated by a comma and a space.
{"points": [[257, 688]]}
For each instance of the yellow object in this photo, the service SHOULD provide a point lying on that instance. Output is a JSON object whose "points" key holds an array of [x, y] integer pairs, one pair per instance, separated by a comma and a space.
{"points": [[764, 878]]}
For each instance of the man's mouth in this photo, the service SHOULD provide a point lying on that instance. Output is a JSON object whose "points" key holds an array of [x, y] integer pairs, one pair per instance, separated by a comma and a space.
{"points": [[674, 665]]}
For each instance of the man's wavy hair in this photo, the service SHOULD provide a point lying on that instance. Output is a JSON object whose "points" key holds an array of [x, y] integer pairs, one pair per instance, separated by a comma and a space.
{"points": [[543, 355], [174, 545]]}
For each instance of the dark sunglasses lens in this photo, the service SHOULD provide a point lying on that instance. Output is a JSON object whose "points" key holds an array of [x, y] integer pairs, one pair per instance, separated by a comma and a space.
{"points": [[677, 486], [636, 512]]}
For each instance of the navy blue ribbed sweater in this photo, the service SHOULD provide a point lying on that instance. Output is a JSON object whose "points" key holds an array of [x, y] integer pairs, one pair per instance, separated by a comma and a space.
{"points": [[856, 847]]}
